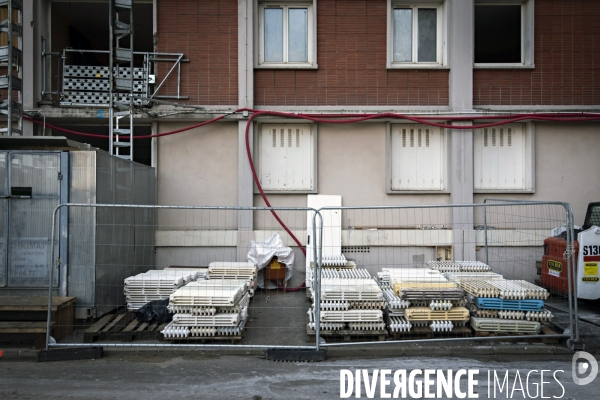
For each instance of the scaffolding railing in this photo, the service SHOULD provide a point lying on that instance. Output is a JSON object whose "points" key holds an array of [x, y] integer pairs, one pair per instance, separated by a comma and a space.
{"points": [[80, 86]]}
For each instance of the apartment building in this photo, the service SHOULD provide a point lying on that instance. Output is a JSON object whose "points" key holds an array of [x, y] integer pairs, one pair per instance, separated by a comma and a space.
{"points": [[462, 64]]}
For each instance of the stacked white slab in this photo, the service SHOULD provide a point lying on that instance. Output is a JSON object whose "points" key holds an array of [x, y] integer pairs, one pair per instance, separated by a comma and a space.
{"points": [[208, 308], [350, 300], [157, 285], [234, 270]]}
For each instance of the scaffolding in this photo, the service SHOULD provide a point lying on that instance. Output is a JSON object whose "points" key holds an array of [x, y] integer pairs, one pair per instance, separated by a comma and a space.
{"points": [[11, 55], [121, 72]]}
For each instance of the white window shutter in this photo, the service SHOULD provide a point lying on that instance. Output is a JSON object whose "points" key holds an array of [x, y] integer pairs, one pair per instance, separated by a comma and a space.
{"points": [[417, 157], [286, 157], [501, 159]]}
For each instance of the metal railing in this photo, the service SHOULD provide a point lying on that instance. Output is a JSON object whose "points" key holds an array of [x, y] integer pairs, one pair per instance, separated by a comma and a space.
{"points": [[90, 90]]}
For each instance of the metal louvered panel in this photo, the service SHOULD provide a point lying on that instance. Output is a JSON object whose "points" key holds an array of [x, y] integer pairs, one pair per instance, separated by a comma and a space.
{"points": [[286, 159], [501, 158], [417, 157]]}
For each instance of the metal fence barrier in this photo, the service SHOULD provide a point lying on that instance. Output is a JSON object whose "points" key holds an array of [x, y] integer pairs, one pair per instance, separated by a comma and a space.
{"points": [[126, 263], [446, 272], [371, 275]]}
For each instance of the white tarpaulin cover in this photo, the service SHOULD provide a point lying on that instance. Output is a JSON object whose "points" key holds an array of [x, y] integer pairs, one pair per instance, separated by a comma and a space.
{"points": [[261, 254]]}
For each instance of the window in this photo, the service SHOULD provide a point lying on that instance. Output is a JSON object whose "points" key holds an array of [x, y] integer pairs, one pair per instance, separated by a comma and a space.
{"points": [[504, 33], [286, 157], [503, 159], [415, 35], [285, 35], [418, 158]]}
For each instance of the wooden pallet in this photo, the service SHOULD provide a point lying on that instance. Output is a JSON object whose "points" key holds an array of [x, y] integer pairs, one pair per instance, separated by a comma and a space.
{"points": [[424, 332], [545, 330], [122, 327], [19, 328], [25, 313], [349, 336]]}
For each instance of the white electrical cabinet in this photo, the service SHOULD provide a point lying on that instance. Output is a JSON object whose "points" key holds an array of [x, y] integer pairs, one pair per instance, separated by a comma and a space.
{"points": [[332, 229]]}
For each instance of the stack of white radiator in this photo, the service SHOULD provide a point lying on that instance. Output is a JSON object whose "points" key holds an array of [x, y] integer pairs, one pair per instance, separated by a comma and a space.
{"points": [[157, 285], [457, 277], [504, 289], [459, 266], [208, 308], [350, 300], [501, 305], [427, 297], [234, 270], [344, 270]]}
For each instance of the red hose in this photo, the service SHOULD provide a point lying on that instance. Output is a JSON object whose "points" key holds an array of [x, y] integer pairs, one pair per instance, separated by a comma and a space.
{"points": [[352, 118], [503, 119]]}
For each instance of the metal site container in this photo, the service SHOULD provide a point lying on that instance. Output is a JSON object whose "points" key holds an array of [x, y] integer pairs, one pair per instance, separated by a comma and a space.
{"points": [[97, 247]]}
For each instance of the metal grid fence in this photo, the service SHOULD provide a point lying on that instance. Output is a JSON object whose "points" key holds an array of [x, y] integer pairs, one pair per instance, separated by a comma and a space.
{"points": [[374, 275], [446, 272]]}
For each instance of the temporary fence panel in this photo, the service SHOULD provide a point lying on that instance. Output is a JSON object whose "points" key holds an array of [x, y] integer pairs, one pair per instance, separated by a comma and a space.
{"points": [[169, 276], [401, 280], [436, 267]]}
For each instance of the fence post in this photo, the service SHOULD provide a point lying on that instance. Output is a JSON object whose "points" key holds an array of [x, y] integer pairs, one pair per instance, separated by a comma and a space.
{"points": [[317, 275], [574, 343]]}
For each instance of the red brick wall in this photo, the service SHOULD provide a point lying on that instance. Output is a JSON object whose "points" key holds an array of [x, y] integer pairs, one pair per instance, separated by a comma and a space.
{"points": [[207, 33], [566, 57], [351, 54]]}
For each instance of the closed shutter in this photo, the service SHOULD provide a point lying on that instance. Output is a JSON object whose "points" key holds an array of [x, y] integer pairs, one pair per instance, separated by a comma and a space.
{"points": [[501, 160], [286, 157], [418, 154]]}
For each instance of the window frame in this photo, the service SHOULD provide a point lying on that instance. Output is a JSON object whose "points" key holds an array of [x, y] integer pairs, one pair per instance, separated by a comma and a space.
{"points": [[528, 130], [444, 163], [258, 154], [259, 62], [527, 34], [441, 34]]}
